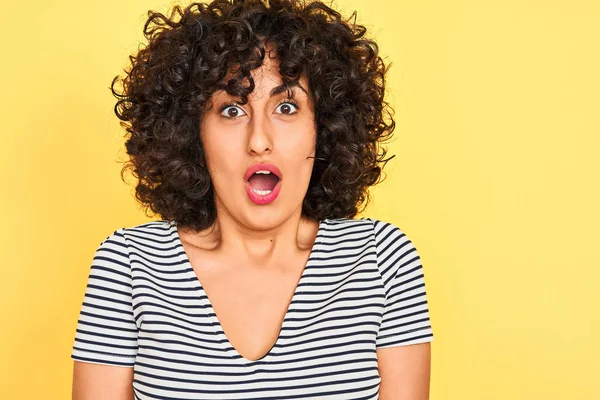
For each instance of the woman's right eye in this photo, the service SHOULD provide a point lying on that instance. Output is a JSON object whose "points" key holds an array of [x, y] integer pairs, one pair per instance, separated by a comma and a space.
{"points": [[232, 111]]}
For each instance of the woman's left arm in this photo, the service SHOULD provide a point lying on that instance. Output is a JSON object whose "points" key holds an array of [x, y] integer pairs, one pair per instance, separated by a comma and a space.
{"points": [[405, 372], [404, 335]]}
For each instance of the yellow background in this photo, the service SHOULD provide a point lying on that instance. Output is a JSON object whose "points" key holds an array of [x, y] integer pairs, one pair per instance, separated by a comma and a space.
{"points": [[496, 181]]}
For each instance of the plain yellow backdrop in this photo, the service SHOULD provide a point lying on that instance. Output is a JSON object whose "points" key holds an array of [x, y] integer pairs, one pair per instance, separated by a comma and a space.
{"points": [[496, 181]]}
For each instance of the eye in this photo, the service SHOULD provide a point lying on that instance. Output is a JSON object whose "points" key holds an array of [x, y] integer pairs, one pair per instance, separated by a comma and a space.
{"points": [[231, 110], [288, 107]]}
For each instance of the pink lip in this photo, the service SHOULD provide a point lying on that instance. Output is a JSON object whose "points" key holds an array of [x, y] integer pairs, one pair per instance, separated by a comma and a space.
{"points": [[255, 197]]}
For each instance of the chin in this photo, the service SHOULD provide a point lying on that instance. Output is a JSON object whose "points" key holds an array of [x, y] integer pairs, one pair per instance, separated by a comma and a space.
{"points": [[265, 218]]}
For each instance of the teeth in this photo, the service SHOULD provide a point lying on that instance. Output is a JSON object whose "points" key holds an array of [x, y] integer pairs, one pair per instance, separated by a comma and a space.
{"points": [[263, 172], [261, 192]]}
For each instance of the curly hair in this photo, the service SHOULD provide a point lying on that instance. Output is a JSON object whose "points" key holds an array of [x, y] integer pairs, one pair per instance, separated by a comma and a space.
{"points": [[203, 48]]}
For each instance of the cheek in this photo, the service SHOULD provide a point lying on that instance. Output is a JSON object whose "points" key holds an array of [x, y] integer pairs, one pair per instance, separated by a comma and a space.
{"points": [[217, 153], [300, 138], [301, 151], [219, 161]]}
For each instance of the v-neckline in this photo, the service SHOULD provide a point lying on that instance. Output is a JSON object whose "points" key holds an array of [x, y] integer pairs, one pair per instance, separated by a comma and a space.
{"points": [[208, 307]]}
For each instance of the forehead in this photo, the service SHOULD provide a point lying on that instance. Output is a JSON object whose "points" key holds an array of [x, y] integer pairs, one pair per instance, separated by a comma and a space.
{"points": [[266, 77], [267, 80]]}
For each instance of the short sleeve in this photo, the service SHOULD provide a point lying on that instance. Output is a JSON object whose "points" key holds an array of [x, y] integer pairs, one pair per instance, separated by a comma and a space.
{"points": [[405, 318], [106, 329]]}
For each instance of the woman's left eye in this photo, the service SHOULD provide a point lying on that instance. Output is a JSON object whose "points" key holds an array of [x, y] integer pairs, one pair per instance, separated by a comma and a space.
{"points": [[287, 108]]}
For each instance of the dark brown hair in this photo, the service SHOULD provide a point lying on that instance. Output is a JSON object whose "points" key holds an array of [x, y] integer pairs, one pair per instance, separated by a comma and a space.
{"points": [[190, 54]]}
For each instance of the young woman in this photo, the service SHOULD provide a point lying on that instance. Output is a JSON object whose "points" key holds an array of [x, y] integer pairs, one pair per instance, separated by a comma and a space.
{"points": [[255, 130]]}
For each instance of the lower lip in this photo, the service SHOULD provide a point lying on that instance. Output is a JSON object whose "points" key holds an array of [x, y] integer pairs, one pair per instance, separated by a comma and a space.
{"points": [[263, 199]]}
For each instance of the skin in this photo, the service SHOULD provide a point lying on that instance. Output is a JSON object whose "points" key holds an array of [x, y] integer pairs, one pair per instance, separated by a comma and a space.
{"points": [[249, 262], [404, 372], [101, 382]]}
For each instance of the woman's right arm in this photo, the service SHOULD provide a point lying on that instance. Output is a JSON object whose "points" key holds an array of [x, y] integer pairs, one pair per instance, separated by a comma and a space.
{"points": [[101, 382], [105, 345]]}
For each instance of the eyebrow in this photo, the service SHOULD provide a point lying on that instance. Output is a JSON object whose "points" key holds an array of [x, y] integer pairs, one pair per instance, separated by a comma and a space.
{"points": [[283, 87]]}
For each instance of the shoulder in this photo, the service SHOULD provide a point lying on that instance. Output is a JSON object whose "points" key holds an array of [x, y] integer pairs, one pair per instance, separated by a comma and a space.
{"points": [[388, 235], [396, 253], [153, 231], [382, 231], [390, 241], [337, 231], [339, 224], [161, 227], [149, 232], [145, 241]]}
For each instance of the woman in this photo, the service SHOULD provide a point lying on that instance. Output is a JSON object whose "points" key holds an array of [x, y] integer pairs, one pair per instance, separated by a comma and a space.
{"points": [[254, 132]]}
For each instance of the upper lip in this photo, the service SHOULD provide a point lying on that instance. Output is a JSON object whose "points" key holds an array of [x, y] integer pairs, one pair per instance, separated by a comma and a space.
{"points": [[262, 167]]}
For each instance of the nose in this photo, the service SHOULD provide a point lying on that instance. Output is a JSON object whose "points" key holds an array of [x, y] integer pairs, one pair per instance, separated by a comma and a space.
{"points": [[260, 139]]}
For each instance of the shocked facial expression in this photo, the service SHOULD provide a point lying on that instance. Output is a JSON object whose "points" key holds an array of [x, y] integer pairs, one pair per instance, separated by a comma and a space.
{"points": [[260, 154]]}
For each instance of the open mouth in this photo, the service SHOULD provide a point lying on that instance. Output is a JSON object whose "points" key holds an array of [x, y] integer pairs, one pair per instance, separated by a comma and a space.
{"points": [[263, 182]]}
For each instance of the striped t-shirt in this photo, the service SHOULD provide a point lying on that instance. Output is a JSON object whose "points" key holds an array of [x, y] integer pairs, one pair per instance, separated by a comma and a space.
{"points": [[362, 288]]}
